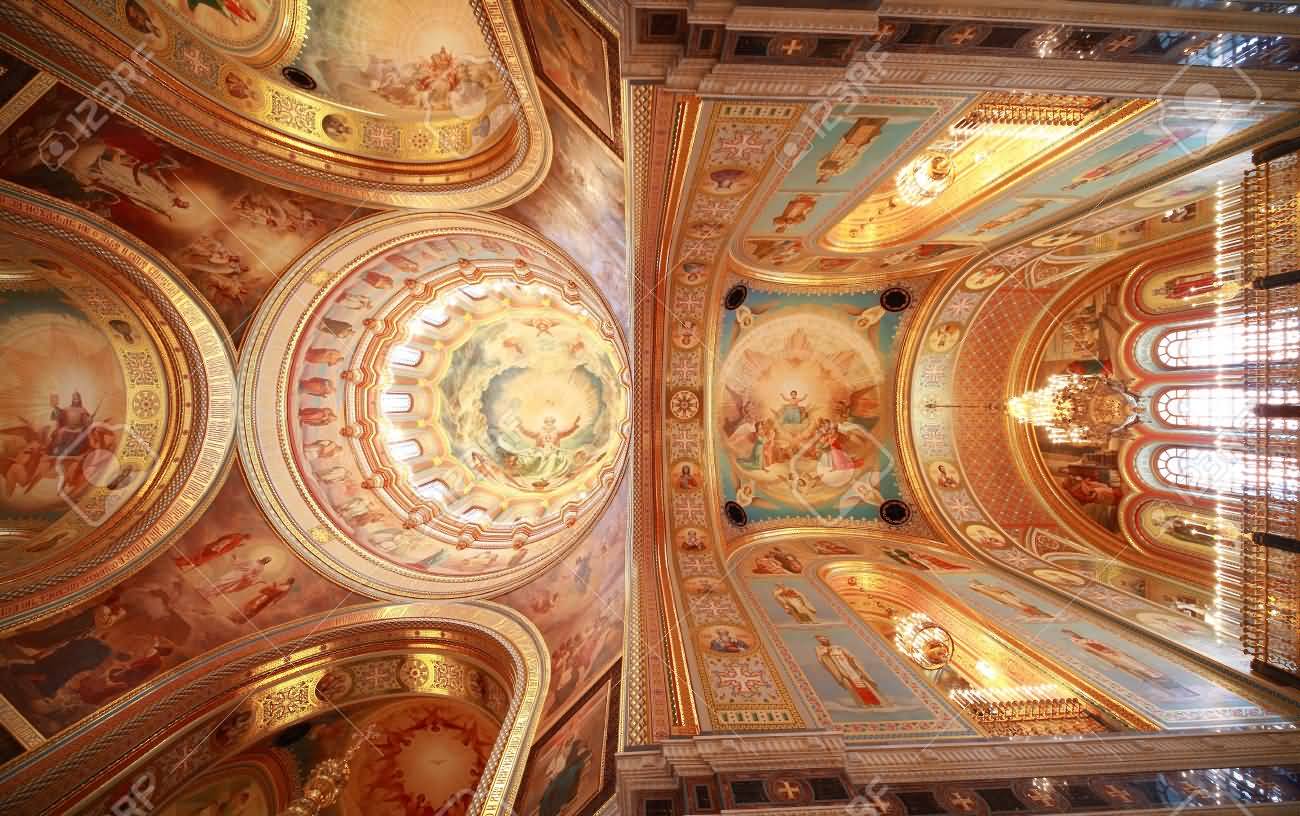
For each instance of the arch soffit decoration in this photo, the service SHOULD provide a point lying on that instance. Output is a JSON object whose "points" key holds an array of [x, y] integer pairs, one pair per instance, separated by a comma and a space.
{"points": [[172, 444], [964, 517], [278, 131], [165, 733]]}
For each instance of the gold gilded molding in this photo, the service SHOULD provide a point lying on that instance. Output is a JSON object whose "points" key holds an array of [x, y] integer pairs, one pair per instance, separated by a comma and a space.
{"points": [[190, 457], [27, 96], [18, 726]]}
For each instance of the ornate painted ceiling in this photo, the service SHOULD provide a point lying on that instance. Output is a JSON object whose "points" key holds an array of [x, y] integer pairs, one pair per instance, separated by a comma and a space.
{"points": [[567, 407]]}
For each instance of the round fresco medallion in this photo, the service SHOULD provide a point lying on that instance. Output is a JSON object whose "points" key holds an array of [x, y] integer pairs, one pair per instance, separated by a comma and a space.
{"points": [[686, 334], [700, 586], [985, 536], [692, 273], [692, 539], [110, 369], [726, 639], [944, 337], [704, 229], [443, 413], [944, 475], [984, 277]]}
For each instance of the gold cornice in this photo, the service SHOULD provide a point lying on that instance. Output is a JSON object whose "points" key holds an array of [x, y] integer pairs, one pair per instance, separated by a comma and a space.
{"points": [[18, 726], [686, 124]]}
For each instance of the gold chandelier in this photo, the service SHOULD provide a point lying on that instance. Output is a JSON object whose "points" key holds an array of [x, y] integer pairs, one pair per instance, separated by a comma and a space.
{"points": [[927, 643], [924, 178], [1076, 409]]}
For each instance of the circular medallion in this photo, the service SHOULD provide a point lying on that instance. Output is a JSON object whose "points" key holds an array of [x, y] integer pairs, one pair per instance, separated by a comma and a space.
{"points": [[440, 405]]}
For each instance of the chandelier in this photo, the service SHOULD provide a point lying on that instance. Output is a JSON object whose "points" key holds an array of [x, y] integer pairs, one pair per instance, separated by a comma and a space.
{"points": [[328, 779], [924, 178], [1076, 409], [927, 643]]}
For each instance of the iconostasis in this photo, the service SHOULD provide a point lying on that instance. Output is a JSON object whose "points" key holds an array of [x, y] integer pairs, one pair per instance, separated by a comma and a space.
{"points": [[138, 269], [850, 295]]}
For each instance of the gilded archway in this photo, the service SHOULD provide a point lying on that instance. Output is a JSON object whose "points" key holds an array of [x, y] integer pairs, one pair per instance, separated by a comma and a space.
{"points": [[207, 722], [402, 105], [116, 422]]}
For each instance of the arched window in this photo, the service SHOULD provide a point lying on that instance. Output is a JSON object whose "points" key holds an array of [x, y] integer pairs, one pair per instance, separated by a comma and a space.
{"points": [[1211, 470], [1228, 344], [405, 449], [406, 355], [395, 402], [1217, 407]]}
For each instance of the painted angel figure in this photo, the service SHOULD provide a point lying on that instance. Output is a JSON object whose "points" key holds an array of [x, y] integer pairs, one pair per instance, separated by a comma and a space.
{"points": [[241, 575]]}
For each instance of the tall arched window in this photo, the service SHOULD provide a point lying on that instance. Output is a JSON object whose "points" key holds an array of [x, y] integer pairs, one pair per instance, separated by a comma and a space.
{"points": [[1212, 470], [395, 402], [1216, 407], [1219, 345]]}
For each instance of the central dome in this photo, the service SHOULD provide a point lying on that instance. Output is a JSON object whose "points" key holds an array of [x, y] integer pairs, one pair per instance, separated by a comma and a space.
{"points": [[452, 408]]}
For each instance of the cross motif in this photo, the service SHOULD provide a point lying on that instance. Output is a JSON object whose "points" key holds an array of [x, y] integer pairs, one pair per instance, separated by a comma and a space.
{"points": [[788, 790], [709, 607], [685, 368], [688, 301], [193, 58], [1118, 794], [791, 46], [684, 440], [963, 36], [720, 208], [961, 801], [382, 137], [741, 680], [744, 145], [697, 248], [961, 305], [689, 508]]}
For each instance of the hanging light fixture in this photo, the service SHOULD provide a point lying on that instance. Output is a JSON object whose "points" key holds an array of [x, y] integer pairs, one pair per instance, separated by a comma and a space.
{"points": [[927, 643], [924, 178], [327, 780], [1076, 409]]}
